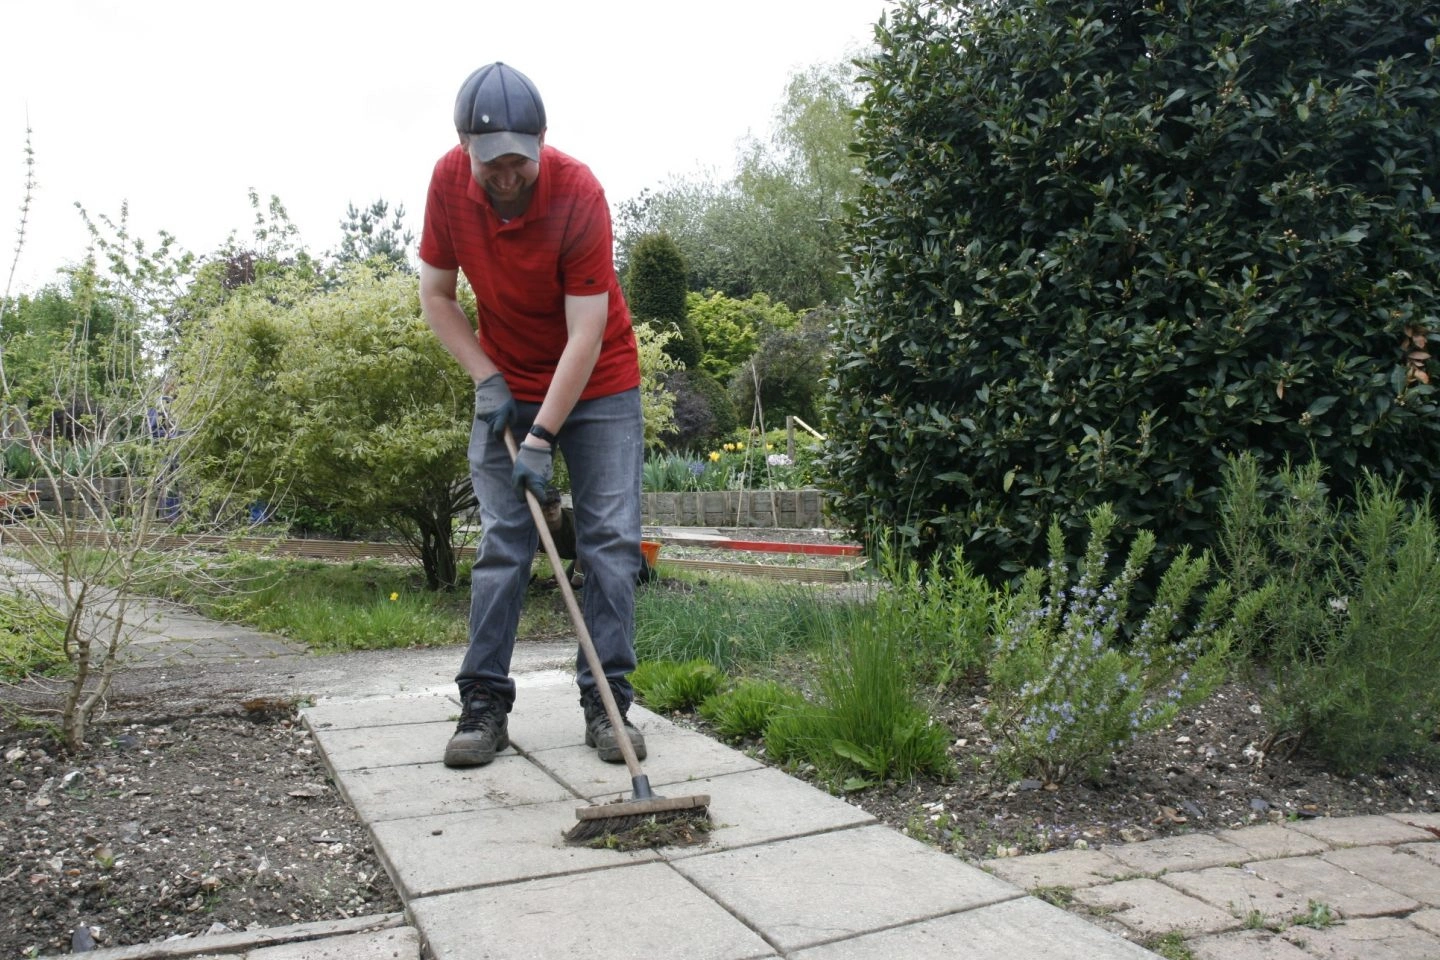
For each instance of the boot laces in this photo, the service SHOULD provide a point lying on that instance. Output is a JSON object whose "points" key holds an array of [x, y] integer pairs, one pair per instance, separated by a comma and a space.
{"points": [[480, 712]]}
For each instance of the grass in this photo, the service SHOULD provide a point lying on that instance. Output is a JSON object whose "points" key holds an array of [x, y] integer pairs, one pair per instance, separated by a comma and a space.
{"points": [[730, 621], [329, 607], [371, 604], [1171, 946], [1317, 915]]}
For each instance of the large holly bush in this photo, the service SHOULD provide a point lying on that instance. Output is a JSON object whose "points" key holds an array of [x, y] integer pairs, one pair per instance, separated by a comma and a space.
{"points": [[1103, 244]]}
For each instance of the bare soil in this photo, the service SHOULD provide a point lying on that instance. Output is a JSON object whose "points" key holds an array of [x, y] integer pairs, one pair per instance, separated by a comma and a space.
{"points": [[175, 827], [1207, 771]]}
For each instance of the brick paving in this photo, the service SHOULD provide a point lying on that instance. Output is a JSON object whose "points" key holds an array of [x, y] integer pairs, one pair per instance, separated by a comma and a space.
{"points": [[1366, 888]]}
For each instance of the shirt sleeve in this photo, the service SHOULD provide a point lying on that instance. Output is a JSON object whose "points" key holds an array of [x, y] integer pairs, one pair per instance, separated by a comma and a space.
{"points": [[587, 256], [437, 247]]}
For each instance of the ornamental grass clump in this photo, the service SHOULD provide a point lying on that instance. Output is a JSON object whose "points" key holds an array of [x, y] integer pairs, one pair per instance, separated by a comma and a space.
{"points": [[745, 709], [1075, 676], [869, 724], [666, 685]]}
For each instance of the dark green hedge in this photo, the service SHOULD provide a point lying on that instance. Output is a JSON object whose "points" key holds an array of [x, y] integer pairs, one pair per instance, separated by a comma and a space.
{"points": [[655, 291], [1103, 245]]}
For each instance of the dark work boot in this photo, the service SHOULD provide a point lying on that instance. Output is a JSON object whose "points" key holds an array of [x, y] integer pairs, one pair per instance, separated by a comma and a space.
{"points": [[480, 734], [601, 735]]}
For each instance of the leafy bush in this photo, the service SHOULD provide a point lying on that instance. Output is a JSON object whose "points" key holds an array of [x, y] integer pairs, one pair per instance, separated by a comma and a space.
{"points": [[31, 641], [657, 404], [943, 613], [703, 412], [1101, 245], [668, 685], [1068, 687], [746, 708], [789, 365], [670, 473], [731, 328], [1350, 631], [342, 400]]}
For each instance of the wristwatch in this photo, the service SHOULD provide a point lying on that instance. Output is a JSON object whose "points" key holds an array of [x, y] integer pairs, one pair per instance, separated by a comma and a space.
{"points": [[538, 431]]}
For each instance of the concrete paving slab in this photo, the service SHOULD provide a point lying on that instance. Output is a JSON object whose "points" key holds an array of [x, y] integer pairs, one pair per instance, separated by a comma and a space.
{"points": [[1360, 831], [1245, 945], [1024, 929], [1426, 851], [235, 943], [428, 789], [1240, 893], [396, 745], [1070, 869], [812, 890], [1427, 920], [676, 757], [402, 943], [1152, 909], [1271, 841], [1394, 869], [1337, 888], [646, 910], [1380, 938], [460, 851], [547, 718], [1429, 822], [332, 714], [762, 805], [166, 653], [1191, 851], [183, 628]]}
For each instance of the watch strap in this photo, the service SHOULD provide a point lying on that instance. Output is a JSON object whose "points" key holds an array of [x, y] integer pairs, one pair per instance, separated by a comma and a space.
{"points": [[538, 431]]}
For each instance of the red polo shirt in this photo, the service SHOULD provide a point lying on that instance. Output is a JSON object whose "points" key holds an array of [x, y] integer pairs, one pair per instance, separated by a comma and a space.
{"points": [[523, 269]]}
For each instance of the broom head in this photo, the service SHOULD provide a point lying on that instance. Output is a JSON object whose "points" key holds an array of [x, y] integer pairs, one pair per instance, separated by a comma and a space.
{"points": [[653, 821]]}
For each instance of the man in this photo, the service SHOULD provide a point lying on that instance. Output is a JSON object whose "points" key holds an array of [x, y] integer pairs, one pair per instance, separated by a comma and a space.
{"points": [[553, 359]]}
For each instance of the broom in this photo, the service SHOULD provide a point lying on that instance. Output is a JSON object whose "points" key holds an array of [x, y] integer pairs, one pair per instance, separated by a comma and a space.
{"points": [[644, 809]]}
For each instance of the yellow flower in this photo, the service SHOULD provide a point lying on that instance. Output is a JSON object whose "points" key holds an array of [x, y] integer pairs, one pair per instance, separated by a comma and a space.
{"points": [[769, 446], [729, 448], [394, 597], [714, 455], [739, 446]]}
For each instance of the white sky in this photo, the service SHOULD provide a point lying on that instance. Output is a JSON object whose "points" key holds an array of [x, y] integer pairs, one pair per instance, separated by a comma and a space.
{"points": [[182, 107]]}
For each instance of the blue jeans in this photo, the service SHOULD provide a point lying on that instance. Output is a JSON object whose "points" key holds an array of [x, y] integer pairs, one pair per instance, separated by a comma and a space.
{"points": [[603, 442]]}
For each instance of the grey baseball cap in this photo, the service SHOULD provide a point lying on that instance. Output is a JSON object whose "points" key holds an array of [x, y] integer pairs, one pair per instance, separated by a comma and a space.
{"points": [[500, 112]]}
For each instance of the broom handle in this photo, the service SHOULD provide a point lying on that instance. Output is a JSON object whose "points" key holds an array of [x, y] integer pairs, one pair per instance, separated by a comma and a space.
{"points": [[602, 685]]}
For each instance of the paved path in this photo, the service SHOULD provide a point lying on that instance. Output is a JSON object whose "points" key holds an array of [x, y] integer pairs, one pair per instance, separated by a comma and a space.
{"points": [[793, 872], [789, 871]]}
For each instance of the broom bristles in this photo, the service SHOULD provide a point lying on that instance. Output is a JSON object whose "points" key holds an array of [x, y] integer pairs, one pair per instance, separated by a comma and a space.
{"points": [[664, 828]]}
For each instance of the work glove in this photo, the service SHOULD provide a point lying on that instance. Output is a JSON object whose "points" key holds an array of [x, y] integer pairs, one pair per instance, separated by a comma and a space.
{"points": [[494, 404], [534, 467]]}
